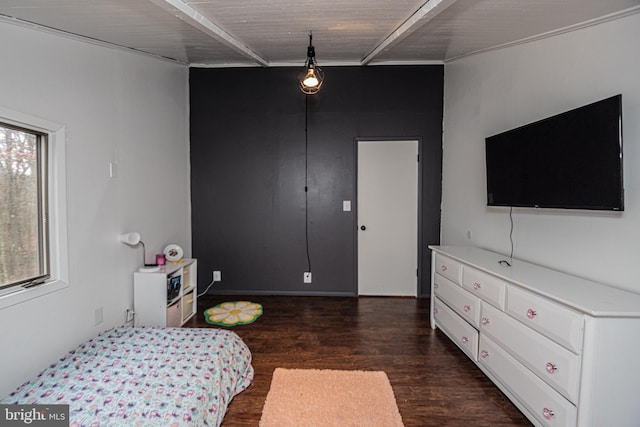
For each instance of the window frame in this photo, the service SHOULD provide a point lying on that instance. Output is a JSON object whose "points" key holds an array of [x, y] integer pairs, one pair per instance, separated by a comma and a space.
{"points": [[56, 214], [42, 170]]}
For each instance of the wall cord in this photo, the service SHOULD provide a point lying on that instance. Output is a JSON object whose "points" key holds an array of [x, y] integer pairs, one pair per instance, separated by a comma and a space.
{"points": [[504, 261], [511, 233], [208, 287]]}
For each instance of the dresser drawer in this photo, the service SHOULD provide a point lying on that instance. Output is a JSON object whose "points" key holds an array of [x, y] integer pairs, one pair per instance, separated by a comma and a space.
{"points": [[555, 321], [461, 333], [485, 286], [461, 301], [544, 403], [448, 267], [553, 363]]}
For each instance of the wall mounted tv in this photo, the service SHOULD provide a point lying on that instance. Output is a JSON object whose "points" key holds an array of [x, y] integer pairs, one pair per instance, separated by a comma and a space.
{"points": [[570, 161]]}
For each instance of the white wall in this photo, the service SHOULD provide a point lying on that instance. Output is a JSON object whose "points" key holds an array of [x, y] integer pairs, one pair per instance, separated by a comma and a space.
{"points": [[117, 107], [499, 90]]}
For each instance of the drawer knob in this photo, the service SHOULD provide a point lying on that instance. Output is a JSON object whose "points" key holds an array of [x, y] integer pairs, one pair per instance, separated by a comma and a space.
{"points": [[484, 321], [467, 308], [465, 340], [476, 286], [531, 313], [435, 311], [548, 413], [484, 354], [551, 368], [443, 268], [435, 285]]}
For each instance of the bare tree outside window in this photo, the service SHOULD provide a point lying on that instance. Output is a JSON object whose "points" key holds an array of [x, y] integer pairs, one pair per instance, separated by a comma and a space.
{"points": [[23, 248]]}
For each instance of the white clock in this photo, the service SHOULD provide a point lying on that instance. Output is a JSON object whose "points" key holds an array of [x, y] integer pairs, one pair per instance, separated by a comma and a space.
{"points": [[173, 252]]}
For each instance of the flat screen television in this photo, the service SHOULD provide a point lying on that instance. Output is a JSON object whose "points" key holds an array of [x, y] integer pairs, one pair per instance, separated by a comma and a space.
{"points": [[572, 160]]}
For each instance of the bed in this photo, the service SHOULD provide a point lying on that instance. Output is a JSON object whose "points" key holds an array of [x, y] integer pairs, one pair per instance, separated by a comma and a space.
{"points": [[145, 377]]}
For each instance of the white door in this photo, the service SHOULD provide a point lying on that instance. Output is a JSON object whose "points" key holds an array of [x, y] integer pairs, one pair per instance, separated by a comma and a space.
{"points": [[388, 218]]}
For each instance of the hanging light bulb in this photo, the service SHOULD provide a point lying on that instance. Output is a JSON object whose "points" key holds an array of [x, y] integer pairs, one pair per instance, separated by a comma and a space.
{"points": [[310, 80], [311, 76]]}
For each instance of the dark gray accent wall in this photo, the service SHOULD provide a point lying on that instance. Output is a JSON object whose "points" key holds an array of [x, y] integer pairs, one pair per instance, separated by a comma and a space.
{"points": [[248, 171]]}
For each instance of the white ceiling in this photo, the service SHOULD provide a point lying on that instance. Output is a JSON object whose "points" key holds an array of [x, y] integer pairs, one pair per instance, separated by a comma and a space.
{"points": [[227, 33]]}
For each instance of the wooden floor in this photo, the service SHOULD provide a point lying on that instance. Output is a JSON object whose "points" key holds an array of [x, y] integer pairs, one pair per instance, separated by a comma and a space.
{"points": [[435, 384]]}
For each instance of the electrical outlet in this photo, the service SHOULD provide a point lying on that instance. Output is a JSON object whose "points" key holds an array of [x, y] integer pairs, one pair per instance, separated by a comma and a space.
{"points": [[307, 277], [97, 316], [217, 276], [130, 314]]}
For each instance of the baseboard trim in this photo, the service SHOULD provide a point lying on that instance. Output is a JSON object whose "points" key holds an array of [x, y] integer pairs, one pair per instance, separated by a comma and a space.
{"points": [[281, 293]]}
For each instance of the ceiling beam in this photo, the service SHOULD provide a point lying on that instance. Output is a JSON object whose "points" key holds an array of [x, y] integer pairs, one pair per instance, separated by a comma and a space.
{"points": [[192, 17], [424, 14]]}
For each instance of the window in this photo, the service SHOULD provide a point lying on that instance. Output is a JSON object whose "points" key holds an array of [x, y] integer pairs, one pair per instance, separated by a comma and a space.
{"points": [[33, 202], [24, 249]]}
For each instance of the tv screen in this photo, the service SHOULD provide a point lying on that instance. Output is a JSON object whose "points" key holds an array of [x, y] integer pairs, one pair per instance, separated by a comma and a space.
{"points": [[572, 161]]}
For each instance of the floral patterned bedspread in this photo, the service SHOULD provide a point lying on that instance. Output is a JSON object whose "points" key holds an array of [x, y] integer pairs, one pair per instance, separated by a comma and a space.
{"points": [[145, 377]]}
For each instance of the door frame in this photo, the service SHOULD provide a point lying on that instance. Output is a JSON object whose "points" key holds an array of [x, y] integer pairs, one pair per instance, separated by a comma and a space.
{"points": [[354, 206]]}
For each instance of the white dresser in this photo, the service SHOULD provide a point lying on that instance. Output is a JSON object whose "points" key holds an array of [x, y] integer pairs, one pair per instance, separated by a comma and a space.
{"points": [[565, 350]]}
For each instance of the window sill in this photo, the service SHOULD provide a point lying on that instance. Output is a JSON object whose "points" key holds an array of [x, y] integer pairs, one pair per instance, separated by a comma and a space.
{"points": [[19, 295]]}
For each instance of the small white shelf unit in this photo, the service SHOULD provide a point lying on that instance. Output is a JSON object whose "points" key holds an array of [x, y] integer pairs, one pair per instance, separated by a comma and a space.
{"points": [[153, 303]]}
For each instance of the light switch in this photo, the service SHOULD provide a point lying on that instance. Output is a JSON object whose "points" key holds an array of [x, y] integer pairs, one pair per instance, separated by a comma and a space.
{"points": [[113, 170], [346, 205]]}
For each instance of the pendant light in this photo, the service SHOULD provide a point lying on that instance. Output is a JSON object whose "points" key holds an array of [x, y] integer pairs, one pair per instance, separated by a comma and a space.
{"points": [[311, 76]]}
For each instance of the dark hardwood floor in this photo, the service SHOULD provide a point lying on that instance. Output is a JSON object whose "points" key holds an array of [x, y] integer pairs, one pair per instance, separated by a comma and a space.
{"points": [[435, 384]]}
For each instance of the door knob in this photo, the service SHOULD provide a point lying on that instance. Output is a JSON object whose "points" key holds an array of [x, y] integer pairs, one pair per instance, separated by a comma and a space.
{"points": [[362, 227]]}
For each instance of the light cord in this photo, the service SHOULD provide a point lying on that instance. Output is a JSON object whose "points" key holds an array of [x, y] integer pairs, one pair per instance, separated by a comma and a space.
{"points": [[306, 179]]}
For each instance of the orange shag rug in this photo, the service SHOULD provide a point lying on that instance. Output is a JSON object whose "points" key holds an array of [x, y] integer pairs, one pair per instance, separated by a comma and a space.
{"points": [[325, 398]]}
